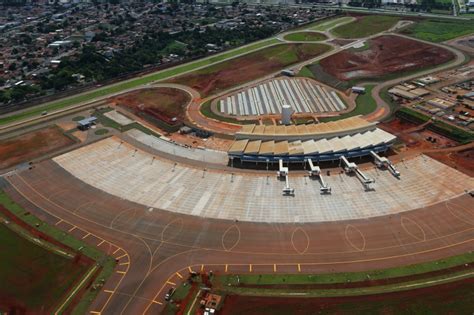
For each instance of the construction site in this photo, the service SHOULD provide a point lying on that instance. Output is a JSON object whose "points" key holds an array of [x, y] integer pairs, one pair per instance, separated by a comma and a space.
{"points": [[222, 190]]}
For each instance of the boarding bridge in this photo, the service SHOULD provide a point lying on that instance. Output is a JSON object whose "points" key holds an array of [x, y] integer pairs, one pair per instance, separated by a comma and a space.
{"points": [[316, 171], [287, 190], [350, 167], [283, 172], [383, 162]]}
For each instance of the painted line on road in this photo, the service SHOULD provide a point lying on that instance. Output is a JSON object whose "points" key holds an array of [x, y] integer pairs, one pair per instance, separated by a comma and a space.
{"points": [[179, 275], [226, 268], [29, 198], [85, 236], [299, 268], [169, 282], [72, 229], [59, 222], [109, 291], [121, 256], [118, 248], [274, 268]]}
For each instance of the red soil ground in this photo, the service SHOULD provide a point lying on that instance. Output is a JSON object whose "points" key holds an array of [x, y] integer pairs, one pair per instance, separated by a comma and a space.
{"points": [[386, 55], [32, 145], [162, 103], [416, 142], [452, 298], [416, 139], [249, 67], [462, 161]]}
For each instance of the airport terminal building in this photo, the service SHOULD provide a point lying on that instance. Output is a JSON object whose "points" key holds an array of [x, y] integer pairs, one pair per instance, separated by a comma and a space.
{"points": [[351, 137]]}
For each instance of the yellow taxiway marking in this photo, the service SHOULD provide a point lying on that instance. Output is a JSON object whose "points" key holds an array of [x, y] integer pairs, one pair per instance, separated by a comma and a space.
{"points": [[169, 282], [121, 256], [179, 275]]}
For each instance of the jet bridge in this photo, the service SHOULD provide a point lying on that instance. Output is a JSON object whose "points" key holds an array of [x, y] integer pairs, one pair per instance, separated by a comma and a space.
{"points": [[350, 167], [316, 171], [383, 162], [283, 172]]}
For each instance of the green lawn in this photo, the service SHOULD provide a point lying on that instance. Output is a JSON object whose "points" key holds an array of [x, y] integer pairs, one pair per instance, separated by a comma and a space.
{"points": [[439, 30], [53, 275], [365, 26], [305, 37], [365, 104], [132, 83], [33, 276], [343, 277]]}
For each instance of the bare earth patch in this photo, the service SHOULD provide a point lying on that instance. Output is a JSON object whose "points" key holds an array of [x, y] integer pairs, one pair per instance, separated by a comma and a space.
{"points": [[166, 104], [386, 55], [32, 145]]}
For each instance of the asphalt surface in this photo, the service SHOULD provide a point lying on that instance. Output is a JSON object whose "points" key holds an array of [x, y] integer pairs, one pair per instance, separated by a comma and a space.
{"points": [[157, 249]]}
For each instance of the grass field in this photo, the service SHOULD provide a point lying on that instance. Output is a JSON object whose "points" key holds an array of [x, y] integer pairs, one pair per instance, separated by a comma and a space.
{"points": [[227, 74], [132, 83], [305, 37], [106, 263], [365, 26], [32, 278], [365, 104], [439, 30]]}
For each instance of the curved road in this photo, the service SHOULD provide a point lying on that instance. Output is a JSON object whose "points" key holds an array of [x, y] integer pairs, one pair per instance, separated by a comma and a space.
{"points": [[156, 249]]}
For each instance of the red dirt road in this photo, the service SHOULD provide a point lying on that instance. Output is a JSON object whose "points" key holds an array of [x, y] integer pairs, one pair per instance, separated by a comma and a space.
{"points": [[156, 248], [386, 55]]}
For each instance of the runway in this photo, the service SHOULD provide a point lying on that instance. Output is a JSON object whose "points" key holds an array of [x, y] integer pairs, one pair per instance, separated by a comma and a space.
{"points": [[156, 249]]}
